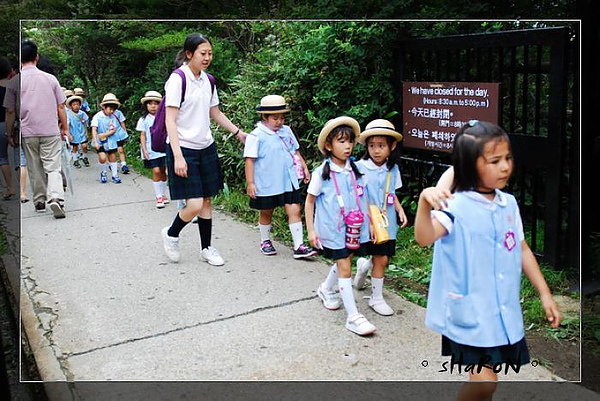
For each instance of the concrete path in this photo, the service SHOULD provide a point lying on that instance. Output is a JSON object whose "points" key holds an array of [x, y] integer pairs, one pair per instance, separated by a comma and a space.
{"points": [[101, 302]]}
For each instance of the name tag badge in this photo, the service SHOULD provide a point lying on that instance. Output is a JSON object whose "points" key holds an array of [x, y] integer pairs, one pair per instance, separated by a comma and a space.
{"points": [[359, 190], [390, 199]]}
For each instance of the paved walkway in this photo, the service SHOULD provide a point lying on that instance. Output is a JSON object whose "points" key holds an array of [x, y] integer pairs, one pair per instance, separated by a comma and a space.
{"points": [[101, 302]]}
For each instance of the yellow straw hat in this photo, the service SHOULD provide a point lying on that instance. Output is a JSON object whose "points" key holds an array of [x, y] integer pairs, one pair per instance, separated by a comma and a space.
{"points": [[272, 104], [379, 127], [332, 124], [110, 98], [79, 92], [151, 95], [70, 99]]}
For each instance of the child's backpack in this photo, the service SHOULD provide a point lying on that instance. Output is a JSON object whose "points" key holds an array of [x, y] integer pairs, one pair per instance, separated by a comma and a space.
{"points": [[158, 131]]}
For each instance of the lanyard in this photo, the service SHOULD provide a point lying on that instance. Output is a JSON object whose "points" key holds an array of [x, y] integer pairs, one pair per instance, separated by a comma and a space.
{"points": [[387, 190], [339, 195]]}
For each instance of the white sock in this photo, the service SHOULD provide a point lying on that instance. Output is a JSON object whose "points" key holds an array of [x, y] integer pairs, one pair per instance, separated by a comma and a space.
{"points": [[347, 293], [75, 156], [297, 233], [376, 288], [265, 231], [163, 185], [114, 169], [103, 167], [123, 163], [158, 188], [332, 277]]}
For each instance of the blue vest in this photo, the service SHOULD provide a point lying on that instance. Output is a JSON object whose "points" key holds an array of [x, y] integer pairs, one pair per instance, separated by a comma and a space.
{"points": [[274, 171], [375, 182], [474, 291], [329, 223]]}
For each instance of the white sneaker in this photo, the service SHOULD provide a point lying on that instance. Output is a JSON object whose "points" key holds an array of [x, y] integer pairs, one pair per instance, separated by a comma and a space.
{"points": [[331, 299], [171, 245], [363, 265], [359, 324], [381, 307], [211, 255], [160, 202]]}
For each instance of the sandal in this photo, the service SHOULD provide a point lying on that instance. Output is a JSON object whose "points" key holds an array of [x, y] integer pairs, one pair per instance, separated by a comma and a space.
{"points": [[24, 200], [8, 196]]}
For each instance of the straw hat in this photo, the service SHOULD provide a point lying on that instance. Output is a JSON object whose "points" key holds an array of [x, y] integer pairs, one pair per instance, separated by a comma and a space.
{"points": [[272, 104], [68, 93], [110, 98], [79, 92], [151, 95], [72, 98], [332, 124], [379, 127]]}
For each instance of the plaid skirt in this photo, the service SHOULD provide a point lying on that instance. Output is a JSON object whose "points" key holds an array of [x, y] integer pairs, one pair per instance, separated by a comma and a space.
{"points": [[514, 354], [205, 178]]}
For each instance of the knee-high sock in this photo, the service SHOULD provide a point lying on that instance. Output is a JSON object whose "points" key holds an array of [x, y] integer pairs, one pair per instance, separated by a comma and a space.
{"points": [[347, 293]]}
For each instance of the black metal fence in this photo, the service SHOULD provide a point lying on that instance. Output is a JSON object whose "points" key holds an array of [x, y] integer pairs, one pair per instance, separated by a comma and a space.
{"points": [[539, 108]]}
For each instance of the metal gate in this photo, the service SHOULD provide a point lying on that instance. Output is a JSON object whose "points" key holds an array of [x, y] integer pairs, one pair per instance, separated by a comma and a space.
{"points": [[538, 110]]}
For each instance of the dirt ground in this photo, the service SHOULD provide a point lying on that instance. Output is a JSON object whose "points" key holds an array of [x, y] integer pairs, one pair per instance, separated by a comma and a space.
{"points": [[571, 361]]}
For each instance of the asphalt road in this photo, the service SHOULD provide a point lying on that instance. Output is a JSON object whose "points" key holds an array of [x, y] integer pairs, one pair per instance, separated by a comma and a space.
{"points": [[108, 317]]}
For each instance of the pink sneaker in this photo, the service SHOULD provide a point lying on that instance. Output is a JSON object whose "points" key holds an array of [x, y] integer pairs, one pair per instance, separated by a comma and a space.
{"points": [[165, 200]]}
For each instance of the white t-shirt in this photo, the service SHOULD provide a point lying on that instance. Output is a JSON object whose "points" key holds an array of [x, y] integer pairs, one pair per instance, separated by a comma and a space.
{"points": [[193, 121]]}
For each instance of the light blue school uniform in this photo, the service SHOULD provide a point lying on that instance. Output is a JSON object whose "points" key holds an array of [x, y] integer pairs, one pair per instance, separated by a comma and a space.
{"points": [[375, 180], [274, 171], [85, 106], [144, 124], [78, 122], [329, 223], [103, 122], [475, 280], [121, 134]]}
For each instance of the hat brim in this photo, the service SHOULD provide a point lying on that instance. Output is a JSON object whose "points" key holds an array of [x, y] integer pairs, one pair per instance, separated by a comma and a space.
{"points": [[110, 102], [332, 124], [380, 132], [70, 99], [149, 98]]}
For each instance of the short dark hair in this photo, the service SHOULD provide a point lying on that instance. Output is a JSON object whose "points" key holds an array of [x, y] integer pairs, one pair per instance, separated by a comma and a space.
{"points": [[29, 51], [469, 142], [5, 67]]}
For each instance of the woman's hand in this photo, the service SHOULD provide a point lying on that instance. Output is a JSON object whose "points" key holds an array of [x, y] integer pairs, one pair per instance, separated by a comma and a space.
{"points": [[180, 166]]}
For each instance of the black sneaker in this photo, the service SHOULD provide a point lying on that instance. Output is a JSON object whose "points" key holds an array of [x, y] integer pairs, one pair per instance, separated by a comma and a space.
{"points": [[267, 248], [76, 164], [304, 251], [125, 169], [86, 162], [57, 209], [40, 207]]}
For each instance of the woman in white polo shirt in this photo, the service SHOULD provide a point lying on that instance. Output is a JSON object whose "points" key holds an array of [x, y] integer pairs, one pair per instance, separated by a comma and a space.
{"points": [[193, 165]]}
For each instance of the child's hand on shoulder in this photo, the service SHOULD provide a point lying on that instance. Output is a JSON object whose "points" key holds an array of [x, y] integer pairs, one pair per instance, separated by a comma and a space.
{"points": [[437, 198]]}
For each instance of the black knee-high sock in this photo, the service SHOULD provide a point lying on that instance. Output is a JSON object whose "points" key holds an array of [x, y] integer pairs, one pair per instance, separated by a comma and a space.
{"points": [[205, 228], [176, 226]]}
